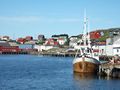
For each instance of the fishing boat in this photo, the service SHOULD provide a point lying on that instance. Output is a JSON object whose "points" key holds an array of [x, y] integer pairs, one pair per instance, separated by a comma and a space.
{"points": [[87, 61]]}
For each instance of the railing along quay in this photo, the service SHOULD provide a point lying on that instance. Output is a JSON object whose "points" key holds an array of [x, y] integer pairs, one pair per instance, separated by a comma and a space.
{"points": [[12, 53], [63, 54]]}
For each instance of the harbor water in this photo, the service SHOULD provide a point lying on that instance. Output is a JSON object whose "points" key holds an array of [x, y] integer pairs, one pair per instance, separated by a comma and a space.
{"points": [[29, 72]]}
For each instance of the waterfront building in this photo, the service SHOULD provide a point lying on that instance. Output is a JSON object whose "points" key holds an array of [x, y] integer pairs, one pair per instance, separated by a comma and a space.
{"points": [[41, 37], [61, 41], [21, 40], [116, 45], [4, 43], [112, 46], [31, 42], [26, 46], [74, 40], [6, 38], [95, 35], [29, 38], [9, 49], [6, 48], [13, 43], [0, 37], [55, 37], [115, 32], [43, 47], [73, 43], [51, 42], [65, 36]]}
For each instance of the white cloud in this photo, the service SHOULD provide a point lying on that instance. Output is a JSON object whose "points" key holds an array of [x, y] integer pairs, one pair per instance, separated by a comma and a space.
{"points": [[69, 20], [20, 18], [37, 19]]}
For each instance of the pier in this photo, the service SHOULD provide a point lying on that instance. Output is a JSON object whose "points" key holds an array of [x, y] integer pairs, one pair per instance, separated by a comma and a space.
{"points": [[12, 53], [57, 54], [110, 70], [105, 57]]}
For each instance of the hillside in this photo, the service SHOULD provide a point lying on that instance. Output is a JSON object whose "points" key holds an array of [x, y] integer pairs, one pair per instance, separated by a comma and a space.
{"points": [[106, 33]]}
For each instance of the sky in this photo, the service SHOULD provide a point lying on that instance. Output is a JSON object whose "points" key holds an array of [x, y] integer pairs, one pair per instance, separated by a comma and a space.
{"points": [[20, 18]]}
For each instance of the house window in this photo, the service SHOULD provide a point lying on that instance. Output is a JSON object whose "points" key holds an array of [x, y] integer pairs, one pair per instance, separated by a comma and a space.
{"points": [[117, 50]]}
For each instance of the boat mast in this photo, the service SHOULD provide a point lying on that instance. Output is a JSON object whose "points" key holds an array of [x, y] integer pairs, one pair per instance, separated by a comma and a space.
{"points": [[88, 34], [85, 23], [88, 38]]}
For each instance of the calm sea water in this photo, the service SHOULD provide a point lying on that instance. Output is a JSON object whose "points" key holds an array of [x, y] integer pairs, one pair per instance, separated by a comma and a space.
{"points": [[28, 72]]}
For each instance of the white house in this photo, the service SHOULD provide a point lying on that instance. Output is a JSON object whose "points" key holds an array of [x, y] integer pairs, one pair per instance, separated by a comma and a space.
{"points": [[61, 41], [116, 45], [109, 50], [73, 43], [6, 38], [73, 38], [113, 45], [42, 47]]}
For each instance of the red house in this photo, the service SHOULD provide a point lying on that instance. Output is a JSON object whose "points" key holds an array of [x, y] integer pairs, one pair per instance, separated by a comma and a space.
{"points": [[95, 35], [29, 38], [21, 40], [9, 49], [51, 42]]}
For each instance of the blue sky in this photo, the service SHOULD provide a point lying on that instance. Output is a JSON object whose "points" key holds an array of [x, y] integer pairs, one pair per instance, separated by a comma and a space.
{"points": [[19, 18]]}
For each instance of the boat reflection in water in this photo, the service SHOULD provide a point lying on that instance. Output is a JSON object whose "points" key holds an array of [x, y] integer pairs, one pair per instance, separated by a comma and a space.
{"points": [[86, 81], [84, 76]]}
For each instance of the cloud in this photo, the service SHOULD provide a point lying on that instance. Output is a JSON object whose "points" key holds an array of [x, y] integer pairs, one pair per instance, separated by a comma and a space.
{"points": [[69, 20], [19, 18], [25, 19], [101, 20]]}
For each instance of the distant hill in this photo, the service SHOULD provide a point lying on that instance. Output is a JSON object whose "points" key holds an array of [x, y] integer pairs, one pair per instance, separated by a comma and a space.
{"points": [[106, 33]]}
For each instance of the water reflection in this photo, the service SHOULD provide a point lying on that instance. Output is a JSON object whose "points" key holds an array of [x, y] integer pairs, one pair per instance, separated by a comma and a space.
{"points": [[86, 81], [88, 76], [80, 76]]}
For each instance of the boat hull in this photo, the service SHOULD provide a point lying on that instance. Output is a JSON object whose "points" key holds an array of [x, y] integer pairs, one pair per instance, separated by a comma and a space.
{"points": [[86, 65]]}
